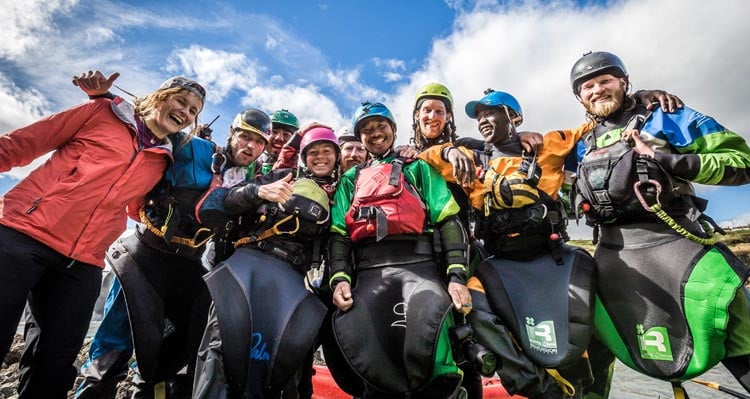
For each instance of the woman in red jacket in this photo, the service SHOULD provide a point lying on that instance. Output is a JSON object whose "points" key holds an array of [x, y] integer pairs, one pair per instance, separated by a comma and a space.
{"points": [[56, 224]]}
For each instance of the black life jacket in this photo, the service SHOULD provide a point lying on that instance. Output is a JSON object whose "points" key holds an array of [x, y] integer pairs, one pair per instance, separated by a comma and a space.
{"points": [[618, 183]]}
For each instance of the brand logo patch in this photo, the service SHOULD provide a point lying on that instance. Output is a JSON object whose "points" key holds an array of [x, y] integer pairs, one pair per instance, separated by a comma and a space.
{"points": [[654, 343], [541, 335]]}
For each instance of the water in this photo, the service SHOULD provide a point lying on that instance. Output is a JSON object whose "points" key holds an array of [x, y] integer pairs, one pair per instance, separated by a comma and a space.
{"points": [[628, 384]]}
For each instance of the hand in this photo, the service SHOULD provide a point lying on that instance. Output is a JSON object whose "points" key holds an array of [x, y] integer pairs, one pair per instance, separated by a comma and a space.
{"points": [[460, 296], [279, 191], [531, 141], [342, 296], [668, 102], [93, 83], [406, 151], [463, 166], [639, 146]]}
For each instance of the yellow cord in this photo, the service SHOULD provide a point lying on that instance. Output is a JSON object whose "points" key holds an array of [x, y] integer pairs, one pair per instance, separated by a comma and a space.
{"points": [[166, 221], [656, 209]]}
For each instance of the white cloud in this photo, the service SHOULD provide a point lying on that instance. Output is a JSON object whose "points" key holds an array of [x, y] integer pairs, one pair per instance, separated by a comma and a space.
{"points": [[220, 71], [19, 108], [307, 103], [393, 77], [25, 23], [271, 43], [99, 35], [390, 64], [348, 84]]}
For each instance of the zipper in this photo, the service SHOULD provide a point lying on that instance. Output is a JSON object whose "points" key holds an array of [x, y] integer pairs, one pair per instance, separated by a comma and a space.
{"points": [[33, 206]]}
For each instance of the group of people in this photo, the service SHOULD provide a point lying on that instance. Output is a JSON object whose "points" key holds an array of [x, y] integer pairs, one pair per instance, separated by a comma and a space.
{"points": [[442, 261]]}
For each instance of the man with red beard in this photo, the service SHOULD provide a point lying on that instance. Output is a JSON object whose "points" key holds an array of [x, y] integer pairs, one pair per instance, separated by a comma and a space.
{"points": [[353, 152], [284, 124], [670, 317]]}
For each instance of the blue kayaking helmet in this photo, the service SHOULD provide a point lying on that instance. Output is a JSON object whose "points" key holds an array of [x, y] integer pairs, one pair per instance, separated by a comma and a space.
{"points": [[369, 109], [494, 98]]}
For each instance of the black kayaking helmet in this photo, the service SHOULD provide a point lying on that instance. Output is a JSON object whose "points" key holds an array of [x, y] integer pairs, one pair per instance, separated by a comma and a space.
{"points": [[594, 64], [255, 121]]}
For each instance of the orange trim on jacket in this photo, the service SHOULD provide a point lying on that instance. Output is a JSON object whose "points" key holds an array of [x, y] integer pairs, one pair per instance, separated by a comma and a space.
{"points": [[76, 201], [557, 145]]}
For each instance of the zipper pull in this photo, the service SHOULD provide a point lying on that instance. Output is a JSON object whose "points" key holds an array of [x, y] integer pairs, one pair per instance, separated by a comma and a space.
{"points": [[33, 206]]}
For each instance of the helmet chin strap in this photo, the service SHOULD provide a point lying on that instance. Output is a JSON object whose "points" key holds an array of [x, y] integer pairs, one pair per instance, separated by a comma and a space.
{"points": [[511, 123]]}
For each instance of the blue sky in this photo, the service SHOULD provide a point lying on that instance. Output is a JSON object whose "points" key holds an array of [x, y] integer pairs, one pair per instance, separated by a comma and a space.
{"points": [[319, 59]]}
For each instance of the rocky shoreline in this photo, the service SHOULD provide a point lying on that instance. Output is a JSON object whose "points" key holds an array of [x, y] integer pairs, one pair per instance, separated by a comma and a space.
{"points": [[9, 372]]}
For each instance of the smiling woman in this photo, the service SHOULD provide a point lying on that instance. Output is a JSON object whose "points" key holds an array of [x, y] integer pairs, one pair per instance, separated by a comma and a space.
{"points": [[57, 223]]}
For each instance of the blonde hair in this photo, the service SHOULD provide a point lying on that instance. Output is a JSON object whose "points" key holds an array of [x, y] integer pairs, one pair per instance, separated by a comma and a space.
{"points": [[146, 105]]}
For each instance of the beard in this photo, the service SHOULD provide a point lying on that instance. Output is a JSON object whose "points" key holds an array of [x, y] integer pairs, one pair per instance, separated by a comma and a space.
{"points": [[606, 108], [603, 109]]}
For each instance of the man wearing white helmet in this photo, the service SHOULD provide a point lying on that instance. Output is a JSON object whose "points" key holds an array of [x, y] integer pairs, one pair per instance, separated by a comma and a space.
{"points": [[353, 152]]}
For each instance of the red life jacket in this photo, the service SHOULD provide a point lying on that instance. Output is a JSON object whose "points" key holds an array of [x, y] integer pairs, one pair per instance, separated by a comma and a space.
{"points": [[384, 203]]}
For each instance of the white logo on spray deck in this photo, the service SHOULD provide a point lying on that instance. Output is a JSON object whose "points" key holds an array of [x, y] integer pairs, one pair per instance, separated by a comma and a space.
{"points": [[541, 335], [399, 309], [654, 338], [654, 343]]}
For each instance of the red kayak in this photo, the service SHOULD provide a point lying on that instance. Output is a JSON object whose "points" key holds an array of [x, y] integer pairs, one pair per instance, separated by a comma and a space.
{"points": [[324, 387]]}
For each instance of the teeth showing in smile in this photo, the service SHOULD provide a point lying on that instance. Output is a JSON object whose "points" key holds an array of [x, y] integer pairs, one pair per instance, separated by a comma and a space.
{"points": [[176, 119]]}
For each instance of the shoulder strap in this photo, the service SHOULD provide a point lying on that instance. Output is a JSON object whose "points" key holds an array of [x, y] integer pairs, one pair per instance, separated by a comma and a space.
{"points": [[358, 169], [396, 168]]}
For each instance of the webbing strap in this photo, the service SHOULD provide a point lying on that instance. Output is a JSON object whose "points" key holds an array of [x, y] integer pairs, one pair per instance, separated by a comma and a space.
{"points": [[272, 231], [564, 384], [679, 390], [188, 242]]}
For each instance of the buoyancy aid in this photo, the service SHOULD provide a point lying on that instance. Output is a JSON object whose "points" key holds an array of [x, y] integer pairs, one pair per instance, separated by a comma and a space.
{"points": [[518, 233], [170, 208], [618, 183], [383, 203], [531, 220], [304, 217]]}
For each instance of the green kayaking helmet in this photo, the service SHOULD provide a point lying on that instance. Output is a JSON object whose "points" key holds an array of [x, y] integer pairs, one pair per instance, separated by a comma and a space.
{"points": [[436, 91], [285, 120], [593, 64]]}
